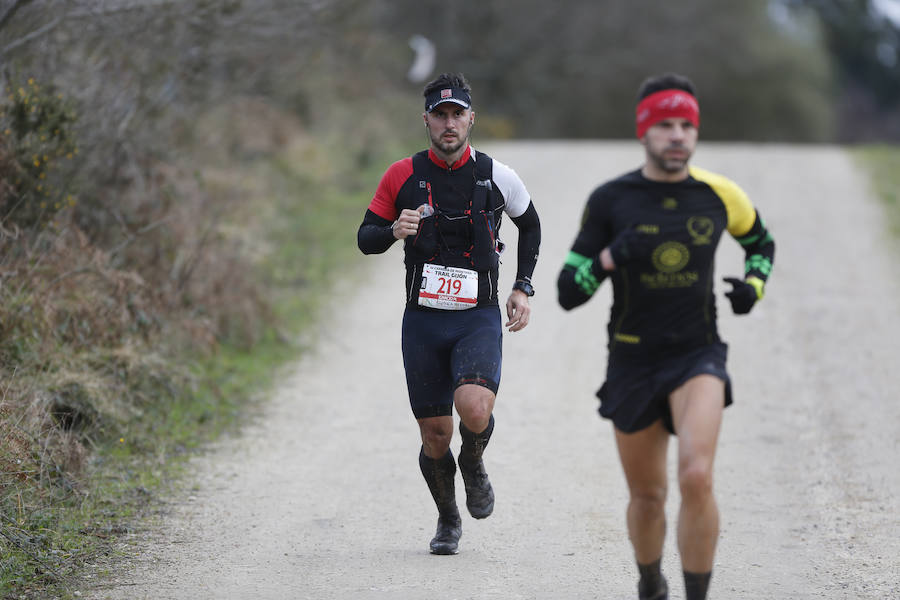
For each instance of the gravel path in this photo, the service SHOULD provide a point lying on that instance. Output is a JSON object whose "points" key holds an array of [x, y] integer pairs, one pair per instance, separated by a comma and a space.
{"points": [[322, 498]]}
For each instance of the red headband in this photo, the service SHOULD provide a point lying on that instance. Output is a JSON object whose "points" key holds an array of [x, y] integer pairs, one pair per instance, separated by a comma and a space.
{"points": [[667, 104]]}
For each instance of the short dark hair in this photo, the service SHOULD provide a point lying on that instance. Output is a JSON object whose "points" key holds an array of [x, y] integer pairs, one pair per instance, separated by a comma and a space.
{"points": [[666, 81], [447, 80]]}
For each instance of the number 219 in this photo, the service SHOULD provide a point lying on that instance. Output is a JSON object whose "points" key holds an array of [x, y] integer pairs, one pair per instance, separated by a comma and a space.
{"points": [[449, 286]]}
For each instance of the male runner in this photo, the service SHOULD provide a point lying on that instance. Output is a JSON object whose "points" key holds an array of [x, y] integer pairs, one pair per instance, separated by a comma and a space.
{"points": [[446, 204], [654, 232]]}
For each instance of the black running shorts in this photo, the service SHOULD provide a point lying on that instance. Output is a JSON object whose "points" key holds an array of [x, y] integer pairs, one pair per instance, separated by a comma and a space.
{"points": [[636, 394], [445, 349]]}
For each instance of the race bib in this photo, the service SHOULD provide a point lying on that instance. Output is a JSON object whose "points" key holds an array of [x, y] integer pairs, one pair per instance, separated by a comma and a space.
{"points": [[448, 288]]}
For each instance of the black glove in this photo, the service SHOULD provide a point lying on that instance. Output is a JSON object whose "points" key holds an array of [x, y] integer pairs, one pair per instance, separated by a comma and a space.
{"points": [[631, 245], [743, 296]]}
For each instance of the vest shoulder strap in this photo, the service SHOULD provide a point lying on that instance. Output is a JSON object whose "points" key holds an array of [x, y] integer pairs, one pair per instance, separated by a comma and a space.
{"points": [[484, 168], [419, 164]]}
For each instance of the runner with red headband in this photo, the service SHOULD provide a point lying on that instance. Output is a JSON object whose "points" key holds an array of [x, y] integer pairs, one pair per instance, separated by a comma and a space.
{"points": [[654, 232]]}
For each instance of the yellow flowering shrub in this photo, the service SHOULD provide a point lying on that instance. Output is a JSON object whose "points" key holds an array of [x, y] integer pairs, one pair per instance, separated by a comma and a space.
{"points": [[36, 142]]}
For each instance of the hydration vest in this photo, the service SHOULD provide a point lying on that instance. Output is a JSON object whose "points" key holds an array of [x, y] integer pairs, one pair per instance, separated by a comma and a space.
{"points": [[451, 237]]}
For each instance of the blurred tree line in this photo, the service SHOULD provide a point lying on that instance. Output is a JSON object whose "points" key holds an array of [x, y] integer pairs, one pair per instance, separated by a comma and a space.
{"points": [[572, 69], [766, 70], [863, 43]]}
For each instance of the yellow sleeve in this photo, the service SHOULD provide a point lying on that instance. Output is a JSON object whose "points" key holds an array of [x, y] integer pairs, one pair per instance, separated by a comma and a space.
{"points": [[738, 207]]}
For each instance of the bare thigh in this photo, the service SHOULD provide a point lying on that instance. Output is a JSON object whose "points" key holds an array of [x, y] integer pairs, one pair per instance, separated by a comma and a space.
{"points": [[697, 407]]}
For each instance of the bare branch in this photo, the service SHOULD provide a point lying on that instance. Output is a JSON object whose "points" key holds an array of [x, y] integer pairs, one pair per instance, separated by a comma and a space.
{"points": [[112, 8], [33, 35], [11, 11]]}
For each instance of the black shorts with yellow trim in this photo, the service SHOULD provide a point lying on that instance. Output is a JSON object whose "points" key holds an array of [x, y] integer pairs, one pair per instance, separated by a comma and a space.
{"points": [[636, 394]]}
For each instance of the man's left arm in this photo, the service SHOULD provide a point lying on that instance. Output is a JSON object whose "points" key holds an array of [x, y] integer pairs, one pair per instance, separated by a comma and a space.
{"points": [[759, 252], [520, 209], [517, 308]]}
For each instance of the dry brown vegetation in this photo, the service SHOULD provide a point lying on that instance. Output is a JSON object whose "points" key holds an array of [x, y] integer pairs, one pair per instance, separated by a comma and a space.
{"points": [[134, 198]]}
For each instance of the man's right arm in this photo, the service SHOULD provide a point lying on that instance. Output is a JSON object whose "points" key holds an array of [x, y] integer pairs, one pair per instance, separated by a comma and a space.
{"points": [[375, 234], [579, 279], [584, 271]]}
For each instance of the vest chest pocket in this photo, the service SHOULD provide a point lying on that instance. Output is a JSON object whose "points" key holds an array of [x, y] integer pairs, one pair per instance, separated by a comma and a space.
{"points": [[484, 242], [425, 242]]}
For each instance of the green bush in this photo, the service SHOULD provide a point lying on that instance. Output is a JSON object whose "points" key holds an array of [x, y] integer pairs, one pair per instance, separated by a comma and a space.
{"points": [[37, 125]]}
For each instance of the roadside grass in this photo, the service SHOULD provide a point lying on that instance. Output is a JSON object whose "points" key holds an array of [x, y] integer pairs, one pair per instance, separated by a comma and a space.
{"points": [[50, 544], [882, 162], [303, 206]]}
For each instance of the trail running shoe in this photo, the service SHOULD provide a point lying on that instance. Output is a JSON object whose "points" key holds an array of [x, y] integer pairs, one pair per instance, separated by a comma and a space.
{"points": [[479, 493], [660, 593], [446, 538]]}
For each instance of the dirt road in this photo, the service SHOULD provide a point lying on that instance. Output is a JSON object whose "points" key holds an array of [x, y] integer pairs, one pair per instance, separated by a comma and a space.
{"points": [[322, 498]]}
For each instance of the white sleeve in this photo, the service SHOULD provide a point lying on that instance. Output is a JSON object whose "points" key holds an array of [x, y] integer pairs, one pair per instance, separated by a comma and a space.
{"points": [[511, 188]]}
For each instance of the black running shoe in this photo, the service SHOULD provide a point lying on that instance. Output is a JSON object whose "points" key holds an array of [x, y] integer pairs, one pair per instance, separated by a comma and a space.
{"points": [[479, 493], [660, 593], [446, 538]]}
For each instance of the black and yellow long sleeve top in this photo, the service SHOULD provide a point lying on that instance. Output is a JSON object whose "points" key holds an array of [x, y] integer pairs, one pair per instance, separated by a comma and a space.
{"points": [[663, 303]]}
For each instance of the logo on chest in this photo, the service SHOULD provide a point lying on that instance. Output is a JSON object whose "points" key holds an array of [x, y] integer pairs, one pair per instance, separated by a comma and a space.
{"points": [[670, 257], [701, 230]]}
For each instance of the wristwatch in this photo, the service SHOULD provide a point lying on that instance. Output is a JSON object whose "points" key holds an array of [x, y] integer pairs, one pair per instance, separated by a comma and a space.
{"points": [[525, 287]]}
